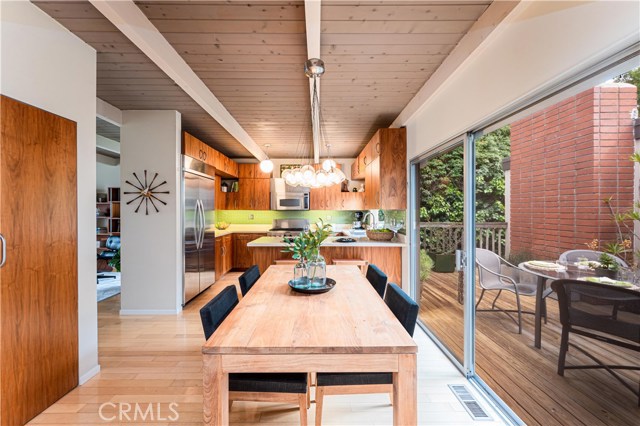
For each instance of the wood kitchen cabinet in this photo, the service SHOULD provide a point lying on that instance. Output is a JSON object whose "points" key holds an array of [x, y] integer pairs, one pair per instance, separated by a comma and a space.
{"points": [[242, 258], [253, 194], [224, 255], [252, 171], [351, 201], [220, 200], [328, 198], [386, 173], [195, 148]]}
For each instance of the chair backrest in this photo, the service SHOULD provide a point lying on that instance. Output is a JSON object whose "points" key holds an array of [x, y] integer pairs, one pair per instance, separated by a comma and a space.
{"points": [[113, 243], [402, 306], [491, 261], [213, 313], [248, 279], [573, 255], [599, 307], [377, 278]]}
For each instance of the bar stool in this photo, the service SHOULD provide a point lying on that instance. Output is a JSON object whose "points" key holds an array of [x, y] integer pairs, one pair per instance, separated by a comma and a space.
{"points": [[362, 264]]}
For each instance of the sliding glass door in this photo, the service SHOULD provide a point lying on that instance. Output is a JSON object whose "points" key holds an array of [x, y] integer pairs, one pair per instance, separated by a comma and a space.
{"points": [[440, 206]]}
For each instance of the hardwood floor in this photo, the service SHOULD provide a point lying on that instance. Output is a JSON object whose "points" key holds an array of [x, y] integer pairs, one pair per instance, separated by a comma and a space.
{"points": [[525, 377], [156, 360]]}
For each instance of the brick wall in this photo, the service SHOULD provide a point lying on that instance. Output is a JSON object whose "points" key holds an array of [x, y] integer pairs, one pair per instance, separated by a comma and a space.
{"points": [[565, 160]]}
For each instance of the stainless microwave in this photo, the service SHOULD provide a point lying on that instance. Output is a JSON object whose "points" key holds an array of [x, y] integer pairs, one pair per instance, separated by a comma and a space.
{"points": [[286, 197], [289, 201]]}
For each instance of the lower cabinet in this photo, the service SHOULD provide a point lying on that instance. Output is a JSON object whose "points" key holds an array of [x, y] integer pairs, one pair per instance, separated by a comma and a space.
{"points": [[224, 255], [241, 253]]}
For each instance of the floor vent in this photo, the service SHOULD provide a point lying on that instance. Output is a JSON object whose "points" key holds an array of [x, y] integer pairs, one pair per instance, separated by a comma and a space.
{"points": [[469, 402]]}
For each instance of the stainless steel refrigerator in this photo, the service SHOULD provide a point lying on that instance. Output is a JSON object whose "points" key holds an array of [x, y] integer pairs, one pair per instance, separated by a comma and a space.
{"points": [[198, 233]]}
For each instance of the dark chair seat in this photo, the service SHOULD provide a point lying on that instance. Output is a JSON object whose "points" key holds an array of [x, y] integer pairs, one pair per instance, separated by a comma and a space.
{"points": [[268, 382], [248, 279], [348, 379], [377, 278]]}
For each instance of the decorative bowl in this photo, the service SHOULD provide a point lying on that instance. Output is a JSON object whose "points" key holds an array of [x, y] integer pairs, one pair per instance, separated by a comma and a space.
{"points": [[379, 235], [221, 225]]}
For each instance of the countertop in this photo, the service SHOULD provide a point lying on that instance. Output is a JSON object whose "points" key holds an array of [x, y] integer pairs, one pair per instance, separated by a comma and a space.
{"points": [[329, 242], [243, 229]]}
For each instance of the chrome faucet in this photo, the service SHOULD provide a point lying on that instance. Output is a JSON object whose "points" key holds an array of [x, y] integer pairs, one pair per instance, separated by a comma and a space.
{"points": [[373, 219]]}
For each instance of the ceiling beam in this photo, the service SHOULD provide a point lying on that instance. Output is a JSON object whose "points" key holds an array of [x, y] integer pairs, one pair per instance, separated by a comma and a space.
{"points": [[470, 46], [312, 18], [130, 20]]}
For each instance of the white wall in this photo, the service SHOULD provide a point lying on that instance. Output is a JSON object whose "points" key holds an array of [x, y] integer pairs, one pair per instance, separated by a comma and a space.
{"points": [[151, 245], [538, 46], [107, 175], [46, 66]]}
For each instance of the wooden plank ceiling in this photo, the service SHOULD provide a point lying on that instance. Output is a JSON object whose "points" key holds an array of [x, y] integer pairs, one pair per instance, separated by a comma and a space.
{"points": [[251, 54]]}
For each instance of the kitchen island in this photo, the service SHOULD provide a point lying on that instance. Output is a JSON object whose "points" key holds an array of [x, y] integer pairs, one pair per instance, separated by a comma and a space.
{"points": [[387, 255]]}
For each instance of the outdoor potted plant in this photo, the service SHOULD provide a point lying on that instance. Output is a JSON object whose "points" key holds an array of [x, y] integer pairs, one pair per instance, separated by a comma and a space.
{"points": [[441, 250], [306, 249]]}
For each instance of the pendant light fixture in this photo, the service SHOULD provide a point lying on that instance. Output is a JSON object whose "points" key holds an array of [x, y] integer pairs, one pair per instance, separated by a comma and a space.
{"points": [[308, 176], [266, 165]]}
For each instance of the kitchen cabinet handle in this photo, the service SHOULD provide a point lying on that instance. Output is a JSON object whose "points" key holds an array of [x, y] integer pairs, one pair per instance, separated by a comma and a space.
{"points": [[365, 160], [4, 251], [378, 148]]}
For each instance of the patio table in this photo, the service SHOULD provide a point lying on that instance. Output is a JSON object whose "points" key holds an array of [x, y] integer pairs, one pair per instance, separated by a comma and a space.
{"points": [[572, 272]]}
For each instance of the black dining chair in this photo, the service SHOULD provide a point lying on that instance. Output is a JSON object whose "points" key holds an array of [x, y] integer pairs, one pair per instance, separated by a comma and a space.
{"points": [[601, 312], [377, 278], [265, 387], [248, 279], [405, 310]]}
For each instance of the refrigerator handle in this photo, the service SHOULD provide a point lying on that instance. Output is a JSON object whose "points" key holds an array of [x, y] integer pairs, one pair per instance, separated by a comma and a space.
{"points": [[196, 228], [202, 223]]}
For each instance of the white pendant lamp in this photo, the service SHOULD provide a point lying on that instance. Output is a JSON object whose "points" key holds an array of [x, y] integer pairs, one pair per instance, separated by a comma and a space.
{"points": [[266, 165]]}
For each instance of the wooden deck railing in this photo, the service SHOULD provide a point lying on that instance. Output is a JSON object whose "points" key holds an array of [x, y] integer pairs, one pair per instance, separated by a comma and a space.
{"points": [[446, 237]]}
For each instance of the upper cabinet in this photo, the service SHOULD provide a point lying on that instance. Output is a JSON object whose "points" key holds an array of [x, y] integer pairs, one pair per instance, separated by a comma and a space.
{"points": [[385, 170], [195, 148]]}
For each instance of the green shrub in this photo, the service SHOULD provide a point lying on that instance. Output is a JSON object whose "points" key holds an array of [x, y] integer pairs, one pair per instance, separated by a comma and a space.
{"points": [[426, 265]]}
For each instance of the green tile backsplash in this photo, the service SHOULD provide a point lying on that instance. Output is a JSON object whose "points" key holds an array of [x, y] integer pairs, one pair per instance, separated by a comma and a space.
{"points": [[267, 216]]}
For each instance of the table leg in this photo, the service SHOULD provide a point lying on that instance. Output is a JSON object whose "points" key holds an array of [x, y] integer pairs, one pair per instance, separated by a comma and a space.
{"points": [[215, 391], [538, 321], [405, 391]]}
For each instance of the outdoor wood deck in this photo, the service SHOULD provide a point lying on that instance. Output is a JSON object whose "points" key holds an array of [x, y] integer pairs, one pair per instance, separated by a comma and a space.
{"points": [[525, 377]]}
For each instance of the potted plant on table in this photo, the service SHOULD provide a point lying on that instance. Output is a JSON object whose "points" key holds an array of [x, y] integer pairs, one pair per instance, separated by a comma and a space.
{"points": [[306, 249], [608, 267]]}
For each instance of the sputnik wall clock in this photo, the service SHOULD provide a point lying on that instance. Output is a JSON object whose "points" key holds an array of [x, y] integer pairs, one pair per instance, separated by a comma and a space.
{"points": [[146, 193]]}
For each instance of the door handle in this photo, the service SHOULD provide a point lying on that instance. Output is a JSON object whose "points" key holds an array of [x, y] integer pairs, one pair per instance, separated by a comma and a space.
{"points": [[4, 251]]}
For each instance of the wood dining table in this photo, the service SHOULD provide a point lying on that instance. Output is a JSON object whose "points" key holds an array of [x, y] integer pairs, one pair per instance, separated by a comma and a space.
{"points": [[276, 330]]}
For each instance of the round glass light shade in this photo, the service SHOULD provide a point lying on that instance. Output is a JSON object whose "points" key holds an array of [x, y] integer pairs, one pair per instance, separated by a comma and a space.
{"points": [[328, 164], [307, 173], [266, 166], [321, 177]]}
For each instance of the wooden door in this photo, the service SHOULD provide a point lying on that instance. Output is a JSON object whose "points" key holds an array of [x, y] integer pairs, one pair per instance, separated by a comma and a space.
{"points": [[375, 183], [244, 194], [352, 200], [261, 194], [39, 282], [220, 197], [219, 258], [317, 199]]}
